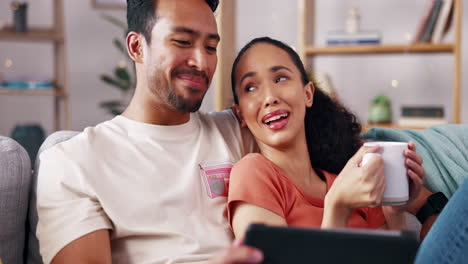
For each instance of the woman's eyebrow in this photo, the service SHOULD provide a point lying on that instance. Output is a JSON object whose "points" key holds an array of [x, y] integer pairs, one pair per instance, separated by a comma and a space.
{"points": [[272, 69], [247, 75], [279, 67]]}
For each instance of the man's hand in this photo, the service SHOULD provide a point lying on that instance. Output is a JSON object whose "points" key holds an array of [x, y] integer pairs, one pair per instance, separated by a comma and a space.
{"points": [[238, 254]]}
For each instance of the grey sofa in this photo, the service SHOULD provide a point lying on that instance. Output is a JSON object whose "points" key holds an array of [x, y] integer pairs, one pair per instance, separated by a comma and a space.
{"points": [[15, 182], [18, 215]]}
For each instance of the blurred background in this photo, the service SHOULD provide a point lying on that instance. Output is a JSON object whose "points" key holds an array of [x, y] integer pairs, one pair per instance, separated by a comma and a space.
{"points": [[89, 51]]}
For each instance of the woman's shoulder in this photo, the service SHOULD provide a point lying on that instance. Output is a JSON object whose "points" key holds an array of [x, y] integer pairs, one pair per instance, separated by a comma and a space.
{"points": [[252, 159], [252, 165]]}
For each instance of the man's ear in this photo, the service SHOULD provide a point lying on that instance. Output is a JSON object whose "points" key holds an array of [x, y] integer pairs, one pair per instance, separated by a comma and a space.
{"points": [[309, 90], [135, 46], [236, 109]]}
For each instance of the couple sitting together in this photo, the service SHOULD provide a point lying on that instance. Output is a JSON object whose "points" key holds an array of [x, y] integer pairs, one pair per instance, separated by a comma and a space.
{"points": [[151, 185]]}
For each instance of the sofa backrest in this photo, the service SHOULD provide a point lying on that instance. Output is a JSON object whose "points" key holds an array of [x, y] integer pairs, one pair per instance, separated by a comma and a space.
{"points": [[15, 179], [32, 248]]}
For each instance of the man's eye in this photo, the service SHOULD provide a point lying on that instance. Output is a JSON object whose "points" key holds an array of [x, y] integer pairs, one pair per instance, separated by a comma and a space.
{"points": [[182, 42], [280, 79], [210, 48]]}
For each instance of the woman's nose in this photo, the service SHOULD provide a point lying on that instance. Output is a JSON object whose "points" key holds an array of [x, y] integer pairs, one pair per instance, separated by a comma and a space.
{"points": [[270, 96]]}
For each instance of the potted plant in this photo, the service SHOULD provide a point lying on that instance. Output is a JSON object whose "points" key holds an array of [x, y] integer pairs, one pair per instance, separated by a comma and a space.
{"points": [[123, 76], [380, 110]]}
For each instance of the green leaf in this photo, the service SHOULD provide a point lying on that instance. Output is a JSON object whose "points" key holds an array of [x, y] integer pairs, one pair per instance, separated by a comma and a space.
{"points": [[381, 100], [115, 21], [114, 107], [122, 74], [116, 111], [122, 86], [119, 45], [111, 103]]}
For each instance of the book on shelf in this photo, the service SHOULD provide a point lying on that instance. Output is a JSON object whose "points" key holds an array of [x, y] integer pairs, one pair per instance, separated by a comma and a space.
{"points": [[435, 22], [421, 122], [359, 38], [425, 19], [26, 85], [422, 111], [427, 35], [421, 116], [443, 21]]}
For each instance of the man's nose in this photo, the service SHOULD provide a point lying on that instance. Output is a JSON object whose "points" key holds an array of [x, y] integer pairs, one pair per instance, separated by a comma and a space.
{"points": [[198, 59]]}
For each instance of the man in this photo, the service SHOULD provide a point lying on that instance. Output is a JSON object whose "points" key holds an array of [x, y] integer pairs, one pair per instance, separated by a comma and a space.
{"points": [[149, 186]]}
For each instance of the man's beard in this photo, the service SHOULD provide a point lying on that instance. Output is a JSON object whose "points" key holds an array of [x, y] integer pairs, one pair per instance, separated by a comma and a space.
{"points": [[180, 103], [166, 92]]}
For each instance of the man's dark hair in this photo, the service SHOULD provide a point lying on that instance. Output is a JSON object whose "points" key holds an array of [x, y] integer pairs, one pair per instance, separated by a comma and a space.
{"points": [[141, 15], [332, 132]]}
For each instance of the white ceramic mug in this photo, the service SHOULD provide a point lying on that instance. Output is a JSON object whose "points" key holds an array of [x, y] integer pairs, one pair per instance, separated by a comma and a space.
{"points": [[396, 179]]}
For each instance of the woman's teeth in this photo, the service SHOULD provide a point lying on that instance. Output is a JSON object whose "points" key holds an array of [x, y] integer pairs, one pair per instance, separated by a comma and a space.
{"points": [[274, 118]]}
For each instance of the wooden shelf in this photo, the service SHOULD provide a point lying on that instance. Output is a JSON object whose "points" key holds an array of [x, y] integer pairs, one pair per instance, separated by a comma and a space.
{"points": [[379, 49], [308, 48], [33, 34], [366, 127], [54, 35], [37, 92]]}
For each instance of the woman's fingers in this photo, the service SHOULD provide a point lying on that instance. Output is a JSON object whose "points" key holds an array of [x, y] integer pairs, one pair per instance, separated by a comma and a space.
{"points": [[357, 158], [415, 178], [416, 168], [413, 155]]}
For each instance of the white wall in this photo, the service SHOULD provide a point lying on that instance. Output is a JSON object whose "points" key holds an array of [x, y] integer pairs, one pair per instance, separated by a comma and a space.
{"points": [[423, 79]]}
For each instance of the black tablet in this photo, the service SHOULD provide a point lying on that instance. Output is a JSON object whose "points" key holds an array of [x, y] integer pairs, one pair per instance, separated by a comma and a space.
{"points": [[300, 245]]}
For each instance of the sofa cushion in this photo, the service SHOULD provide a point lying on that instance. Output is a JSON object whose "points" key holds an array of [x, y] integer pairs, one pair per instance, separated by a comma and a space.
{"points": [[32, 251], [15, 179]]}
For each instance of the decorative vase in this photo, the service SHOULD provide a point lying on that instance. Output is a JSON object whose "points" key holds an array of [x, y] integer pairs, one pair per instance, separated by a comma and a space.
{"points": [[20, 16], [353, 21], [29, 136]]}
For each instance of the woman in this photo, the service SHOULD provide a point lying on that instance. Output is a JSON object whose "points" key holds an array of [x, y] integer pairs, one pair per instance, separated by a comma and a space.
{"points": [[305, 140]]}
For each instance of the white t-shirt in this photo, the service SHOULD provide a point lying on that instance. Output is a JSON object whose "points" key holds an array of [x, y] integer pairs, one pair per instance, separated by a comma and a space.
{"points": [[160, 189]]}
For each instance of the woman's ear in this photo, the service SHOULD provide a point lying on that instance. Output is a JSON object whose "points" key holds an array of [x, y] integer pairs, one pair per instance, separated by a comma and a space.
{"points": [[236, 109], [309, 90], [135, 46]]}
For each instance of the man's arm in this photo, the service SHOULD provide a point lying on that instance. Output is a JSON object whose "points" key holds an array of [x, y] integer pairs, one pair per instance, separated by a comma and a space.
{"points": [[93, 248]]}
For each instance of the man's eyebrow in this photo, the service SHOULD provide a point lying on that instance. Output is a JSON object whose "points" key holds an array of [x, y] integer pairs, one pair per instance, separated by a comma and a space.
{"points": [[214, 37], [279, 67], [195, 33], [185, 30]]}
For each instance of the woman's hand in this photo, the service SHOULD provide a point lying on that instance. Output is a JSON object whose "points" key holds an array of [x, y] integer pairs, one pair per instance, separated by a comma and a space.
{"points": [[355, 187], [415, 173]]}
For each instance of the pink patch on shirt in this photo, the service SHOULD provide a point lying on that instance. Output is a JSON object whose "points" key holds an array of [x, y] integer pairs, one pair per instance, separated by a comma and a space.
{"points": [[216, 178]]}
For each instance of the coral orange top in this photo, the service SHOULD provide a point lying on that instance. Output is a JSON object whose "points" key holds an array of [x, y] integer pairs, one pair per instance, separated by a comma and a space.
{"points": [[258, 181]]}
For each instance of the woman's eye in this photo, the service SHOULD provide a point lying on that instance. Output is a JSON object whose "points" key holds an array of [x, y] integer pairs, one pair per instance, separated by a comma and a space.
{"points": [[249, 88], [280, 79]]}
